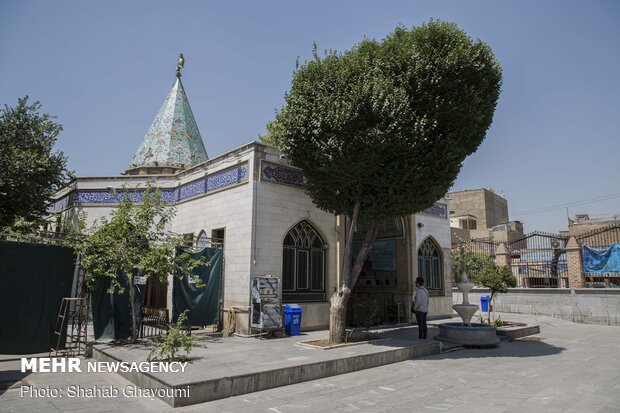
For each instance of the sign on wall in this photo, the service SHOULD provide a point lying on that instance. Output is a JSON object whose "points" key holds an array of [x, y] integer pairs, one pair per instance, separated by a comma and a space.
{"points": [[281, 175]]}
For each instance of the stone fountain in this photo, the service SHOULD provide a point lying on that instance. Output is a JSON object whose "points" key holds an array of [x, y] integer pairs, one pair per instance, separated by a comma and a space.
{"points": [[465, 310], [467, 333]]}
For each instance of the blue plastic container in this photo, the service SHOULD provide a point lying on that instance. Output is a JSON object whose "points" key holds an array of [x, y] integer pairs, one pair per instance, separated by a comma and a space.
{"points": [[484, 303], [292, 320]]}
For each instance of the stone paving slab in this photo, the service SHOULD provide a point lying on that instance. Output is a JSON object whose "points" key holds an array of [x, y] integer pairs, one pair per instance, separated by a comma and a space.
{"points": [[572, 368], [569, 367], [231, 366]]}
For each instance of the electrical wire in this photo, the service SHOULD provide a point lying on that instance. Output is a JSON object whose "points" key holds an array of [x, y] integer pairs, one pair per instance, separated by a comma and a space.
{"points": [[569, 204]]}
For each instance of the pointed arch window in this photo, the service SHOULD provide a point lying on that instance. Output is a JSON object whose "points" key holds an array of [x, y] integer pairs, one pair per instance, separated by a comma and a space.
{"points": [[303, 264], [202, 241], [430, 266]]}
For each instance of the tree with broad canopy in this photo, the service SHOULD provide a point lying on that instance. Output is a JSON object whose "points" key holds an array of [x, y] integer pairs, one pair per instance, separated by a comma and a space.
{"points": [[381, 130]]}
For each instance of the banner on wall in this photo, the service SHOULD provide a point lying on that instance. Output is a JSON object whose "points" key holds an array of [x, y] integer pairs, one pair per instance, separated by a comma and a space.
{"points": [[601, 260]]}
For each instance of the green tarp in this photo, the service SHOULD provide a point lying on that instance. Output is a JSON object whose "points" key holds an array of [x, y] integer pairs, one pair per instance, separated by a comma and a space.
{"points": [[112, 312], [203, 303], [33, 280]]}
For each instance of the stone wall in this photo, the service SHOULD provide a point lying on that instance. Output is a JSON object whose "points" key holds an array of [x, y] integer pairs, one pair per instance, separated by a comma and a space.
{"points": [[278, 209], [230, 209], [580, 305], [436, 227]]}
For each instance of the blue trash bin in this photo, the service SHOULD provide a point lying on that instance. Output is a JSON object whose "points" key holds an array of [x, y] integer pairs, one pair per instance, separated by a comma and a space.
{"points": [[484, 303], [292, 320]]}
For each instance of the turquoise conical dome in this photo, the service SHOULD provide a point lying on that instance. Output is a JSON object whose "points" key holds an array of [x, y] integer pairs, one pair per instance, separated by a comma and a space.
{"points": [[173, 140]]}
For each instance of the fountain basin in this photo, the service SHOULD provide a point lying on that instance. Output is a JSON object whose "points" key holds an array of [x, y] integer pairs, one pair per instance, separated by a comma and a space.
{"points": [[466, 311], [476, 335]]}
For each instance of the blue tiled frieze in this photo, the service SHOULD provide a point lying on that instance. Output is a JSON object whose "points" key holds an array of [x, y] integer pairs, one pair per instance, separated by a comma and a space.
{"points": [[170, 195], [439, 210], [107, 197], [281, 175], [192, 189], [213, 182], [226, 178]]}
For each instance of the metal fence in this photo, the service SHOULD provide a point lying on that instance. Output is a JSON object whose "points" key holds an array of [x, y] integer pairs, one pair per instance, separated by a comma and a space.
{"points": [[538, 260], [38, 237], [480, 247]]}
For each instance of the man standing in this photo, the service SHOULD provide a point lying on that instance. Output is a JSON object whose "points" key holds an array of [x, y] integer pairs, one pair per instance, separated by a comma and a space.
{"points": [[420, 306]]}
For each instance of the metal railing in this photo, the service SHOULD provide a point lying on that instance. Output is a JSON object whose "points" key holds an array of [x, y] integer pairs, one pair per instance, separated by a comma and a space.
{"points": [[538, 260]]}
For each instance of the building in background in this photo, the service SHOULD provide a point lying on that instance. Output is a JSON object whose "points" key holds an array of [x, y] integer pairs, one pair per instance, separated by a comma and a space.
{"points": [[481, 214], [582, 223]]}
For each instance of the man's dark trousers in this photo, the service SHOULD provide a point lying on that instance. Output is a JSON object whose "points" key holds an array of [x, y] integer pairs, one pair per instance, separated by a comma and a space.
{"points": [[420, 318]]}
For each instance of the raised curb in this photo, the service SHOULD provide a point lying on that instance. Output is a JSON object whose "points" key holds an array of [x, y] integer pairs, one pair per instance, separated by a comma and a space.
{"points": [[219, 388], [510, 333]]}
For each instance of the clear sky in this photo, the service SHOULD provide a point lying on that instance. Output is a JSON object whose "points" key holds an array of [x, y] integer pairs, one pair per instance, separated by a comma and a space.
{"points": [[104, 67]]}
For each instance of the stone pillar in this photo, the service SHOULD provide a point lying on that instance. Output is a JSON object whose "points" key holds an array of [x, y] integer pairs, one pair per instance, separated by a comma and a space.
{"points": [[502, 255], [573, 259]]}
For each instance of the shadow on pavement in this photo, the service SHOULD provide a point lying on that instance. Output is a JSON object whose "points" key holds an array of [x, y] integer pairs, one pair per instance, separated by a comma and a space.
{"points": [[9, 378], [515, 348], [530, 346]]}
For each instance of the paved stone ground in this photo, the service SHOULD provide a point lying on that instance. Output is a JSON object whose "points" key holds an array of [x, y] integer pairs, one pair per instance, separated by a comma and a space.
{"points": [[214, 358], [567, 368]]}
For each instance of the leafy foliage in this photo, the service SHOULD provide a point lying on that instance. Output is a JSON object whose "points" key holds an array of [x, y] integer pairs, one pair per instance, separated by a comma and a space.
{"points": [[472, 263], [408, 109], [381, 130], [497, 279], [134, 241], [30, 171], [166, 346], [482, 270]]}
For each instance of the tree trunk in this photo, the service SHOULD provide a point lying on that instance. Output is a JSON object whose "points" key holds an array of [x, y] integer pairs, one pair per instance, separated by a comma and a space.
{"points": [[340, 299], [348, 244], [132, 299], [371, 234], [338, 315], [490, 307]]}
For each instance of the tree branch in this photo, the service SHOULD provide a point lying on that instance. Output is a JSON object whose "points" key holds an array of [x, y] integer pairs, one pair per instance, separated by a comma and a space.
{"points": [[348, 246], [371, 234]]}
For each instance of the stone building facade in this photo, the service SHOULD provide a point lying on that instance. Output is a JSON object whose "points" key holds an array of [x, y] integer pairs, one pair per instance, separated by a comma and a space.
{"points": [[481, 214], [254, 202]]}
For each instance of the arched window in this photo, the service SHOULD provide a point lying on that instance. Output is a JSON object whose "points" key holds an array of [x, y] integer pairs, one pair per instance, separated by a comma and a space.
{"points": [[303, 264], [203, 241], [430, 266]]}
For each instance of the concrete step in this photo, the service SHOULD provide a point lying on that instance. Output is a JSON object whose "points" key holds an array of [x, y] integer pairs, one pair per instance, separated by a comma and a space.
{"points": [[177, 392]]}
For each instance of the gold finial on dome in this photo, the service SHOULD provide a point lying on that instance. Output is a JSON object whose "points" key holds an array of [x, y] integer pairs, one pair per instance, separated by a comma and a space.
{"points": [[180, 64]]}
